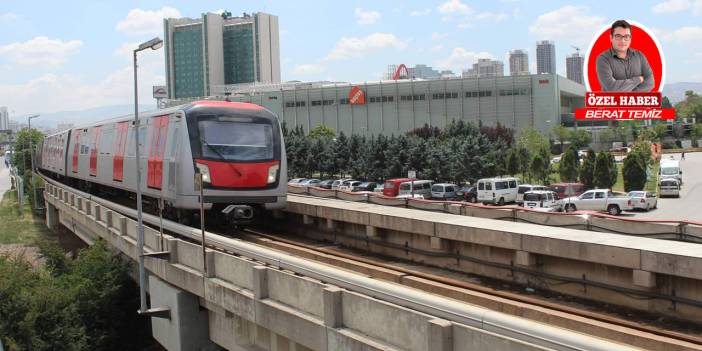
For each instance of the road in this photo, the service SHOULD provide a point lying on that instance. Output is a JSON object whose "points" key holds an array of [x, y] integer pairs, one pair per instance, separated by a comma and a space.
{"points": [[4, 179], [688, 205]]}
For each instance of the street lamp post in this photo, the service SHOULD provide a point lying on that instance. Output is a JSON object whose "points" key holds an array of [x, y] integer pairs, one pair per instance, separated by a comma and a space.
{"points": [[31, 155], [153, 44]]}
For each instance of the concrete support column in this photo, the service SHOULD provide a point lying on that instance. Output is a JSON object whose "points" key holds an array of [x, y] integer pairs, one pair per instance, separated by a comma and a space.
{"points": [[307, 219], [97, 212], [439, 335], [260, 282], [172, 245], [73, 200], [331, 224], [80, 204], [371, 231], [60, 195], [122, 225], [644, 278], [438, 243], [333, 311], [210, 263], [109, 218], [52, 220], [88, 208], [524, 258]]}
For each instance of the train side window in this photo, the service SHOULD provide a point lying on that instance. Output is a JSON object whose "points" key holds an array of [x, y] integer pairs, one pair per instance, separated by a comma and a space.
{"points": [[174, 142], [106, 142], [130, 142]]}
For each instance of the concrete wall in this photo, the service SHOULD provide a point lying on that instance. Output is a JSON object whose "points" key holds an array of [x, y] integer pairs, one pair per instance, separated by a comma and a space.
{"points": [[492, 248], [250, 306]]}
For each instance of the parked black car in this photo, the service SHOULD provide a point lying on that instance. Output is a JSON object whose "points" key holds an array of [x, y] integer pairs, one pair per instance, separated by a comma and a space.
{"points": [[365, 186], [468, 193], [325, 184]]}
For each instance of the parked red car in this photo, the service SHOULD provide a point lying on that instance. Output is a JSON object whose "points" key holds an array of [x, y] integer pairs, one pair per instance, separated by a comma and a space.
{"points": [[560, 189], [392, 186]]}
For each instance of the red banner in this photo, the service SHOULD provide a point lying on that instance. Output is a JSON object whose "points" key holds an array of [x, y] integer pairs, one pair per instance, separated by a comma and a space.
{"points": [[624, 113]]}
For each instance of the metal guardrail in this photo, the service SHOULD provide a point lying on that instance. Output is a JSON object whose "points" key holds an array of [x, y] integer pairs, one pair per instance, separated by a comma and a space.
{"points": [[449, 309], [680, 230], [19, 186]]}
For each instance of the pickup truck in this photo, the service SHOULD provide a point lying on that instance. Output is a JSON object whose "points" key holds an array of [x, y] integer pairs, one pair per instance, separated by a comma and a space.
{"points": [[599, 200]]}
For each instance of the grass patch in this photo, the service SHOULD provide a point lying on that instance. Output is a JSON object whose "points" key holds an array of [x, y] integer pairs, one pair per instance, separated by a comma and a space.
{"points": [[19, 227]]}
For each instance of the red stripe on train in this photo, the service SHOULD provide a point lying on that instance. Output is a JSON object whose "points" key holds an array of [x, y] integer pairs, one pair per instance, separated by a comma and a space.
{"points": [[238, 175]]}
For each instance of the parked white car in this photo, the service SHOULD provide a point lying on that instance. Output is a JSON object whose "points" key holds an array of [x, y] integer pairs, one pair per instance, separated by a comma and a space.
{"points": [[669, 187], [337, 183], [544, 200], [296, 181], [644, 200], [310, 182], [497, 191], [599, 200], [422, 187]]}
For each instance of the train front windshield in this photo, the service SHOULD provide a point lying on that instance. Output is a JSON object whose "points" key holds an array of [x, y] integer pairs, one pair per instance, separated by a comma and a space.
{"points": [[236, 138]]}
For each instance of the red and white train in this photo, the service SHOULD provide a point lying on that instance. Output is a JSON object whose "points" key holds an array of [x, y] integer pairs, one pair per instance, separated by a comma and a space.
{"points": [[238, 147]]}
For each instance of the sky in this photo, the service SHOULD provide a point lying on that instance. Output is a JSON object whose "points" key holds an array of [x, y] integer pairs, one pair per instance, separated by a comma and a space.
{"points": [[74, 55]]}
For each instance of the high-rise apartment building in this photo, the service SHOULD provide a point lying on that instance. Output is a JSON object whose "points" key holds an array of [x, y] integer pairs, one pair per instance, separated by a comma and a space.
{"points": [[4, 118], [217, 50], [485, 68], [574, 67], [518, 62], [545, 57]]}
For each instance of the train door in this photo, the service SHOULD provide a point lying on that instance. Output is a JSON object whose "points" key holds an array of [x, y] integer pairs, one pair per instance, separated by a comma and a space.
{"points": [[76, 148], [119, 147], [157, 148], [94, 151]]}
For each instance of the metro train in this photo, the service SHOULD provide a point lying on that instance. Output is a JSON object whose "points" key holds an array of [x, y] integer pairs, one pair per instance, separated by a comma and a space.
{"points": [[238, 148]]}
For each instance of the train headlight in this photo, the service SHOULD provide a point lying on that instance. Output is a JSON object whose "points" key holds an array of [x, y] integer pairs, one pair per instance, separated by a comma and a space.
{"points": [[273, 173], [205, 172]]}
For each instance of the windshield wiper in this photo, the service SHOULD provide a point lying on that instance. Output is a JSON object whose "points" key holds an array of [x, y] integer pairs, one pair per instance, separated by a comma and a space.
{"points": [[221, 157]]}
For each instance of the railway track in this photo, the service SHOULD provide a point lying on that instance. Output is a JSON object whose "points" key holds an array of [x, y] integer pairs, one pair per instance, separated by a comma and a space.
{"points": [[577, 319]]}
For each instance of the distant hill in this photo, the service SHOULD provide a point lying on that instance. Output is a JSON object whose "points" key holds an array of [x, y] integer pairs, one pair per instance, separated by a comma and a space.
{"points": [[676, 91], [51, 120]]}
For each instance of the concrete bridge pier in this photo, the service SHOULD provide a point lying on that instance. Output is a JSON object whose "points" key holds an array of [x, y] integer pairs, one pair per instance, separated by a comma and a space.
{"points": [[52, 217], [188, 327]]}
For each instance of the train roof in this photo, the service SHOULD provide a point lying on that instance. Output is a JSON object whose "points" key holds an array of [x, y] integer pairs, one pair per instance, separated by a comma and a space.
{"points": [[152, 113]]}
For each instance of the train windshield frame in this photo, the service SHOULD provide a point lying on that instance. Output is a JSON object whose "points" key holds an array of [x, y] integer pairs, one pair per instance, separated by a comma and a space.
{"points": [[231, 136]]}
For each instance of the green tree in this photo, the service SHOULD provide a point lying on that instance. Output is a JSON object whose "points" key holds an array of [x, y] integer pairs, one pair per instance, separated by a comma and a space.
{"points": [[26, 140], [665, 103], [562, 134], [634, 171], [606, 136], [581, 138], [660, 130], [340, 153], [696, 133], [568, 167], [322, 131], [587, 170], [602, 175], [539, 167], [613, 169], [512, 162], [691, 107]]}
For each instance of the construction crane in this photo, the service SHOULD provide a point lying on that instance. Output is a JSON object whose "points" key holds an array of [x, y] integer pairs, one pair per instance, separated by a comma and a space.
{"points": [[577, 49]]}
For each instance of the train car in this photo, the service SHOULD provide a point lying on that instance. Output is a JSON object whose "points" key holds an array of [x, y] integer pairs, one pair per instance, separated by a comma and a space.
{"points": [[238, 148]]}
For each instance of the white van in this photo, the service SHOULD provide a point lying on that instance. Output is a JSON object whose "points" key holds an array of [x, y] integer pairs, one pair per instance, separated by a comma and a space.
{"points": [[417, 187], [497, 190], [670, 169], [669, 187]]}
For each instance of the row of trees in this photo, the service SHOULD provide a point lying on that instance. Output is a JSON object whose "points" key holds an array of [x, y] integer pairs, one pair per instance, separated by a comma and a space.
{"points": [[84, 304]]}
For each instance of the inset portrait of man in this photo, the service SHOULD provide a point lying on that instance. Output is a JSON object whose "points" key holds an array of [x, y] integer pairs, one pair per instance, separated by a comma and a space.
{"points": [[621, 68]]}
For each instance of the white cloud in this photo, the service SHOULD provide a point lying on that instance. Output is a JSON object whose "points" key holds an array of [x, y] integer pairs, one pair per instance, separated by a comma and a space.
{"points": [[491, 16], [697, 8], [367, 17], [309, 69], [143, 22], [689, 35], [40, 51], [438, 36], [219, 11], [437, 47], [461, 58], [8, 17], [417, 13], [355, 47], [454, 7], [671, 6], [572, 24]]}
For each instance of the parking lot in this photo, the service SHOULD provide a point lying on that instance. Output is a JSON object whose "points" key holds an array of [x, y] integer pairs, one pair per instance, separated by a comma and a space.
{"points": [[689, 205]]}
